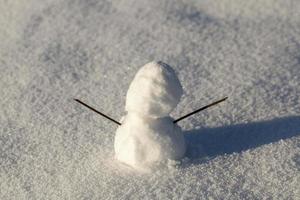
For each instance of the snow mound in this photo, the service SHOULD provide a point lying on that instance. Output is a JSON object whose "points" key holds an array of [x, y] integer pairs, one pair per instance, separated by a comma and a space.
{"points": [[143, 142]]}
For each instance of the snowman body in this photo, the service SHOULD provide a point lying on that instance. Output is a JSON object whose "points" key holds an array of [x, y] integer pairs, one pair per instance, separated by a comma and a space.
{"points": [[148, 135]]}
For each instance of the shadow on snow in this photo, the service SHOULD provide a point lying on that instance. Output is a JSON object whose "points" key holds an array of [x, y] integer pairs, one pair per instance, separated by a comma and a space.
{"points": [[211, 142]]}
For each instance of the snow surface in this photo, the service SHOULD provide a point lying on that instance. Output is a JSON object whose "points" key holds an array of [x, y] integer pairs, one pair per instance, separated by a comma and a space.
{"points": [[53, 51], [147, 136]]}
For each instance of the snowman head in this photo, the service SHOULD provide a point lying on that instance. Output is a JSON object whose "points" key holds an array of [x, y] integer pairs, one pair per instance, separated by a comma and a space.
{"points": [[155, 91]]}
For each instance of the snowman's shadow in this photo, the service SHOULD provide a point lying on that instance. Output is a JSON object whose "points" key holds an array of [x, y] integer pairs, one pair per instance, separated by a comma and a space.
{"points": [[207, 143]]}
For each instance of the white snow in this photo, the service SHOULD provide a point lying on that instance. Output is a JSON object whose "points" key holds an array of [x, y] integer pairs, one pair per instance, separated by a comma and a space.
{"points": [[148, 135], [52, 51]]}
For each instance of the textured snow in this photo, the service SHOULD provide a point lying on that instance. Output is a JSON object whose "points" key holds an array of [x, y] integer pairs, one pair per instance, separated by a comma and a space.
{"points": [[53, 51]]}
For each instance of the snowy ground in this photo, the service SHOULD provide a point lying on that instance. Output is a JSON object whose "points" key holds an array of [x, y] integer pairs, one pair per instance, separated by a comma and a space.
{"points": [[53, 51]]}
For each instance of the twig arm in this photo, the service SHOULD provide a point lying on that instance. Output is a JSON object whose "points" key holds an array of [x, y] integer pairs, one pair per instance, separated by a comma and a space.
{"points": [[93, 109], [200, 109]]}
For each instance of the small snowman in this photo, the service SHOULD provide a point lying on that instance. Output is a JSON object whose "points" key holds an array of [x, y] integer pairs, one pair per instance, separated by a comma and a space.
{"points": [[148, 135]]}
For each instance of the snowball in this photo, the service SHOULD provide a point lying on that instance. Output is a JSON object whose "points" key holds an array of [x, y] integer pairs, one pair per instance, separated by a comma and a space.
{"points": [[143, 141], [155, 90]]}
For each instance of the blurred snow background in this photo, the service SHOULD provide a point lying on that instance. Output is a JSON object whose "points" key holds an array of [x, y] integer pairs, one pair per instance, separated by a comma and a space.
{"points": [[52, 51]]}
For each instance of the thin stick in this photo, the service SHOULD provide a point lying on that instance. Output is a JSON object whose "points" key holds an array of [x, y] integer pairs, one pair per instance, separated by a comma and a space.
{"points": [[200, 109], [103, 115]]}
